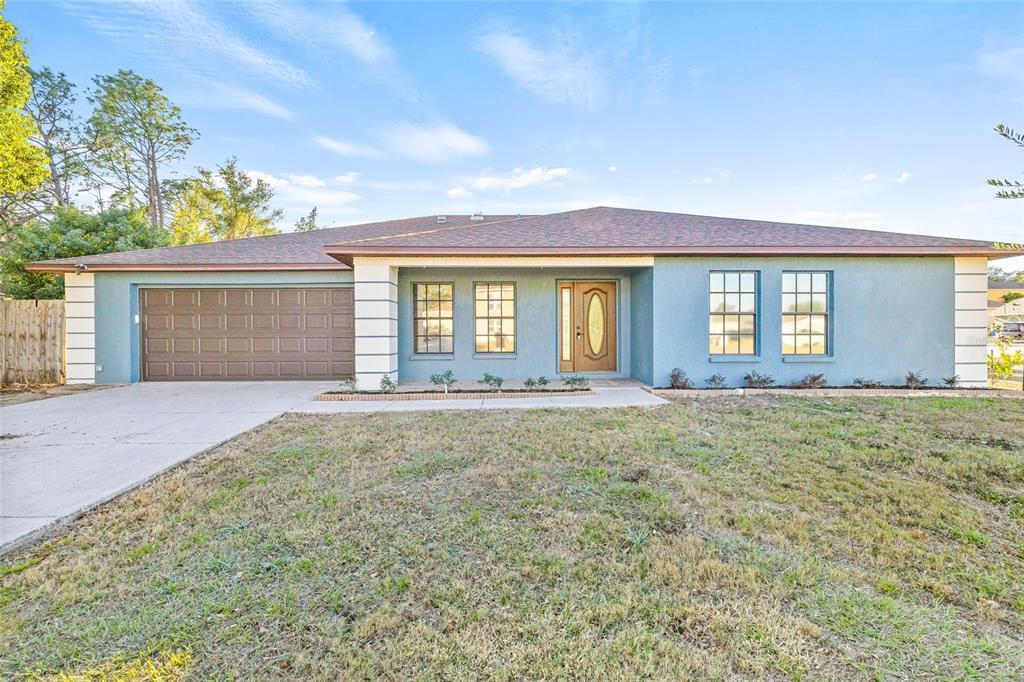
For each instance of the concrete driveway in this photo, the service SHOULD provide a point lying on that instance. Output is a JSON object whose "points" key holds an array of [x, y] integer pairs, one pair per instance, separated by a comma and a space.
{"points": [[62, 456]]}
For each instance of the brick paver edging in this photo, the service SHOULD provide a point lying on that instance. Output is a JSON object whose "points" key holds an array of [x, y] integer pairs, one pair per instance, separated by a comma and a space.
{"points": [[842, 392], [476, 395]]}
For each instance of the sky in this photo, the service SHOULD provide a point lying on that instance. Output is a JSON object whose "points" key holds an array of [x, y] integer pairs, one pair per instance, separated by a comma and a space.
{"points": [[874, 115]]}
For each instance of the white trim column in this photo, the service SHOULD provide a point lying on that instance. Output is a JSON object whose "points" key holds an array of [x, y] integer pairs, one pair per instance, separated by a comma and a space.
{"points": [[970, 321], [376, 322], [80, 328]]}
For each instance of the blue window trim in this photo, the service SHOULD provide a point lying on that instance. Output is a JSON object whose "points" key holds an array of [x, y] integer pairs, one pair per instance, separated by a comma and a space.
{"points": [[829, 354], [747, 357]]}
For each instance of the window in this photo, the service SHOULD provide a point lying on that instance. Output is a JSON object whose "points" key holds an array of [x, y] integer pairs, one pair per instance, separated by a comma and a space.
{"points": [[432, 318], [495, 317], [733, 313], [805, 313]]}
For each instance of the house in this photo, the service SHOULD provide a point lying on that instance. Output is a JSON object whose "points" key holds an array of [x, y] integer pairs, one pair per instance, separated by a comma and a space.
{"points": [[998, 289], [604, 292]]}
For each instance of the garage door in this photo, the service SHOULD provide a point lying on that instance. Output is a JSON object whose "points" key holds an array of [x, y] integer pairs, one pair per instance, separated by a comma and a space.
{"points": [[246, 333]]}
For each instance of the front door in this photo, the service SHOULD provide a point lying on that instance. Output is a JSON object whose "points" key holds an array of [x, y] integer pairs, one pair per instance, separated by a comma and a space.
{"points": [[586, 318]]}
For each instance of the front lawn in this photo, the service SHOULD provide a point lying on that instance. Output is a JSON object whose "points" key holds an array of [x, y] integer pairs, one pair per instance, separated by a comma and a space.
{"points": [[769, 537]]}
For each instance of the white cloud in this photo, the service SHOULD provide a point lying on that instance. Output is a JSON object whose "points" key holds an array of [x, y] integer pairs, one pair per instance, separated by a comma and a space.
{"points": [[337, 26], [306, 181], [346, 179], [334, 27], [433, 144], [870, 177], [715, 174], [1002, 61], [187, 38], [560, 73], [459, 192], [224, 96], [346, 148], [519, 178], [612, 169], [903, 177], [304, 191], [403, 185], [860, 219]]}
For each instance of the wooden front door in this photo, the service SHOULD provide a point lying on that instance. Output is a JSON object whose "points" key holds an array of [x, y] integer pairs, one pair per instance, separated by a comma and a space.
{"points": [[586, 327]]}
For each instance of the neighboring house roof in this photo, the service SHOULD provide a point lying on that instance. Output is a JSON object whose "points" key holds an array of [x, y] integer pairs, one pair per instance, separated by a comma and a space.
{"points": [[1005, 284], [593, 231]]}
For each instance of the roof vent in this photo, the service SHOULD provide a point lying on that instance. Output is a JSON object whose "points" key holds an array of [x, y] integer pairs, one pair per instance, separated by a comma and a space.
{"points": [[477, 216], [442, 219]]}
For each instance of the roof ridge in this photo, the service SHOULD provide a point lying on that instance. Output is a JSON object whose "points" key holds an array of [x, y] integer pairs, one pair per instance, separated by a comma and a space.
{"points": [[433, 231]]}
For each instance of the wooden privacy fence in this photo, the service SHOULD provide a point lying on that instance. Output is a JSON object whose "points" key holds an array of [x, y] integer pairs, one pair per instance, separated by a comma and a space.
{"points": [[33, 342]]}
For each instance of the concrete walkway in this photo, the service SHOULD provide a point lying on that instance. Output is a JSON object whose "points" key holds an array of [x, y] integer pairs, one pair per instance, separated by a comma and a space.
{"points": [[62, 456], [614, 393]]}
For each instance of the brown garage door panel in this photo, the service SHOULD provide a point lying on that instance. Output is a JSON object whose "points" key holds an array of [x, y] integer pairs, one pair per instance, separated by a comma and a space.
{"points": [[247, 333]]}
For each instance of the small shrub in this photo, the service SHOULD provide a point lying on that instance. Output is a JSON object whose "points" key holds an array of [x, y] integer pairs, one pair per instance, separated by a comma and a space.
{"points": [[530, 382], [916, 379], [951, 382], [493, 381], [860, 382], [811, 381], [387, 384], [576, 381], [1002, 362], [679, 379], [715, 381], [348, 386], [542, 381], [758, 380], [446, 379]]}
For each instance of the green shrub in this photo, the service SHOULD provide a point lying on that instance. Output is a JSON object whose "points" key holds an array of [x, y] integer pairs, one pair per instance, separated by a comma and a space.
{"points": [[860, 382], [493, 381], [542, 381], [576, 381], [387, 384], [445, 379]]}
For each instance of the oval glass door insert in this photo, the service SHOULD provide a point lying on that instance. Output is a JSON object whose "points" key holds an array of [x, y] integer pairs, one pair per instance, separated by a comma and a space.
{"points": [[595, 324]]}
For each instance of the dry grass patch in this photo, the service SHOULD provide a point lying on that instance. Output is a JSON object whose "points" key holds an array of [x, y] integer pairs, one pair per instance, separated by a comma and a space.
{"points": [[727, 538]]}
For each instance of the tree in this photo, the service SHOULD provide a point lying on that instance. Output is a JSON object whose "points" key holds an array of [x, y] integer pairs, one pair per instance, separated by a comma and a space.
{"points": [[1011, 189], [998, 273], [69, 234], [223, 204], [60, 133], [137, 129], [307, 223], [22, 164]]}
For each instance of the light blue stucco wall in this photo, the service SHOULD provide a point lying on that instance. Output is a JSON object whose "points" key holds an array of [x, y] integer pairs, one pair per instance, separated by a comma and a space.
{"points": [[642, 331], [117, 303], [536, 322], [889, 315]]}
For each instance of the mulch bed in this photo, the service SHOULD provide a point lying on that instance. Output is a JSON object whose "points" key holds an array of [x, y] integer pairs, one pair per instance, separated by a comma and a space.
{"points": [[456, 395]]}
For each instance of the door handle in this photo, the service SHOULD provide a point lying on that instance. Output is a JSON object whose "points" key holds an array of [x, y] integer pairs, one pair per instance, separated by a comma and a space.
{"points": [[579, 335]]}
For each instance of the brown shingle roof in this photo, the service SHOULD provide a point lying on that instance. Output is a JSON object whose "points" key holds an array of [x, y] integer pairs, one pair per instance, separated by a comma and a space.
{"points": [[592, 231], [292, 250], [627, 231]]}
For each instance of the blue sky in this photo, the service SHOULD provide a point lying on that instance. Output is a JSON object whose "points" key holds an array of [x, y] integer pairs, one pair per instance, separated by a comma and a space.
{"points": [[876, 115]]}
